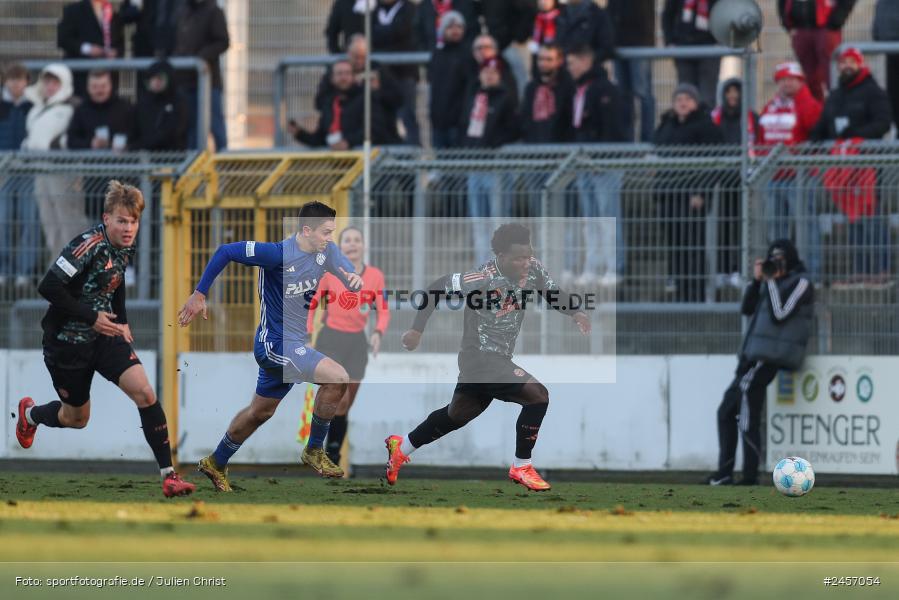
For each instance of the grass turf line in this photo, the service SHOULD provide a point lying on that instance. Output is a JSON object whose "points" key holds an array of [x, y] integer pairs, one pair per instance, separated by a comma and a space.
{"points": [[59, 517]]}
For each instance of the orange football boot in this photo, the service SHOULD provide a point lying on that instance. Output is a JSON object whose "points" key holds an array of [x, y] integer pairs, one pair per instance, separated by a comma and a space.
{"points": [[529, 478], [395, 457]]}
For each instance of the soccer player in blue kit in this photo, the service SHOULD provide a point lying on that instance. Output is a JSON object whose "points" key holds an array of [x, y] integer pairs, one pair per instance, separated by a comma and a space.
{"points": [[289, 273]]}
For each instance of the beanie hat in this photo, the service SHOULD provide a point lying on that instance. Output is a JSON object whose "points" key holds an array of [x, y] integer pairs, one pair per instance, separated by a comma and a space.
{"points": [[853, 53], [788, 69], [452, 17], [688, 89]]}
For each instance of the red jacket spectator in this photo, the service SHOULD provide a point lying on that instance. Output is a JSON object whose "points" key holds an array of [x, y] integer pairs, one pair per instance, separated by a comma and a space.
{"points": [[793, 112]]}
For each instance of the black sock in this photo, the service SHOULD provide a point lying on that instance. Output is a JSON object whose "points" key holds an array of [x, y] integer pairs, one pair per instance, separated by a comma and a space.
{"points": [[528, 427], [47, 414], [437, 425], [336, 434], [156, 431]]}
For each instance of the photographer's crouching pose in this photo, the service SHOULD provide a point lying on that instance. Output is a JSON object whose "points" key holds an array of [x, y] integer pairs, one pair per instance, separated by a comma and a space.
{"points": [[779, 303]]}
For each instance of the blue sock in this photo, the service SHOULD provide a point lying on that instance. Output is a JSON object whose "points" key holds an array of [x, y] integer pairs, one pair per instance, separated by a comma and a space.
{"points": [[226, 449], [319, 432]]}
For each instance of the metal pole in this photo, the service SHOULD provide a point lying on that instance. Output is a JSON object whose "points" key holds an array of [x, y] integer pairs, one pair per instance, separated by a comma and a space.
{"points": [[280, 73], [748, 103], [145, 241], [366, 144], [204, 97]]}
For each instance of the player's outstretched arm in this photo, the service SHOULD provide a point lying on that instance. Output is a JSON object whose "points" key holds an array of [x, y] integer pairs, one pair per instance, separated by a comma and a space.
{"points": [[255, 254]]}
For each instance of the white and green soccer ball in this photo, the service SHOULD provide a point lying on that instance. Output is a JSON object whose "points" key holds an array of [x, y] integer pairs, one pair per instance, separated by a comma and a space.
{"points": [[794, 476]]}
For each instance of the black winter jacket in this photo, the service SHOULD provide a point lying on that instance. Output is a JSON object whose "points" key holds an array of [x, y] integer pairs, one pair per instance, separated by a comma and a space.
{"points": [[555, 128], [446, 75], [634, 22], [203, 32], [587, 25], [501, 126], [116, 114], [601, 121], [161, 119], [862, 105], [678, 32]]}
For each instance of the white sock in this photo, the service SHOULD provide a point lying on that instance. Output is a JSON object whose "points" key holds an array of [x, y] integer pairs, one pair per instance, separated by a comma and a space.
{"points": [[164, 472], [520, 462], [28, 416], [406, 446]]}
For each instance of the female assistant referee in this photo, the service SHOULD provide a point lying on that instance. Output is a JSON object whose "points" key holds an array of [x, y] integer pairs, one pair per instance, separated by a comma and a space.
{"points": [[342, 336]]}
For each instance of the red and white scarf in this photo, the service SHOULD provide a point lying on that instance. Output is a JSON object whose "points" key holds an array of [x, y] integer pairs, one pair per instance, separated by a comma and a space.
{"points": [[477, 120], [106, 12], [696, 12], [544, 104], [579, 97], [545, 26]]}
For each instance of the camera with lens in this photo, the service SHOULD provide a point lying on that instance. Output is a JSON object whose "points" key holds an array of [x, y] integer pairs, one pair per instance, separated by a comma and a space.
{"points": [[774, 264]]}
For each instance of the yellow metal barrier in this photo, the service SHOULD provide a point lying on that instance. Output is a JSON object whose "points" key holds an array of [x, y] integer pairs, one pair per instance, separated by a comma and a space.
{"points": [[227, 198]]}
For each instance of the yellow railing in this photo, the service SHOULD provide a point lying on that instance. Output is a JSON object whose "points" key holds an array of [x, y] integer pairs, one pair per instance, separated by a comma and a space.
{"points": [[227, 198]]}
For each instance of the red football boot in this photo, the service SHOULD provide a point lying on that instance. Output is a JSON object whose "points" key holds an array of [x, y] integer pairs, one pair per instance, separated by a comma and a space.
{"points": [[395, 457], [24, 430], [173, 485]]}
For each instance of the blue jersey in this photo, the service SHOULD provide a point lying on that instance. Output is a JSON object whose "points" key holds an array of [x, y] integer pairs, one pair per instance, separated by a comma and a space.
{"points": [[288, 278]]}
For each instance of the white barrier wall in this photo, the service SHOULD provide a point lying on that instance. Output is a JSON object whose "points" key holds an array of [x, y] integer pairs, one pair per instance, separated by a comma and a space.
{"points": [[840, 413], [661, 413], [113, 432]]}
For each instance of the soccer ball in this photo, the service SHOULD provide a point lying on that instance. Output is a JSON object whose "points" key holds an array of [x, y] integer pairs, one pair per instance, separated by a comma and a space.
{"points": [[794, 476]]}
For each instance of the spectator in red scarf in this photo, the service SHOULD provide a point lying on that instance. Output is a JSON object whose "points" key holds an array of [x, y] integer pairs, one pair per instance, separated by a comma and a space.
{"points": [[789, 119], [856, 110], [815, 28], [546, 28], [341, 122], [430, 14], [686, 23], [546, 110], [596, 109], [90, 29], [489, 120]]}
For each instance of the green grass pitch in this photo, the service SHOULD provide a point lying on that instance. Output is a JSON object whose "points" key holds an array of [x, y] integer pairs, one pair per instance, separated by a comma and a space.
{"points": [[445, 537]]}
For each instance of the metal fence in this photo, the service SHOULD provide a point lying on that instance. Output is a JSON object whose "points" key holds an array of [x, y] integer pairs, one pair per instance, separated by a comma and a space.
{"points": [[686, 235], [34, 187]]}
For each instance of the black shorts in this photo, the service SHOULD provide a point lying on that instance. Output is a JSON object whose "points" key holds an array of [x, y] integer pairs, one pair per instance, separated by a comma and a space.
{"points": [[487, 375], [349, 350], [72, 366]]}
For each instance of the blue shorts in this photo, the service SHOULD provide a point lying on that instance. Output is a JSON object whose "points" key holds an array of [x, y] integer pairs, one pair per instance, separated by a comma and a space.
{"points": [[282, 364]]}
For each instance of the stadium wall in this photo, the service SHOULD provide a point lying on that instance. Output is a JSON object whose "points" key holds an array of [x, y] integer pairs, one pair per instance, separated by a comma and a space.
{"points": [[660, 414], [839, 412]]}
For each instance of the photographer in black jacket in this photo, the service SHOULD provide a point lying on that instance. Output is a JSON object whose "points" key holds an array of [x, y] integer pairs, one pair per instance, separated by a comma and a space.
{"points": [[779, 303]]}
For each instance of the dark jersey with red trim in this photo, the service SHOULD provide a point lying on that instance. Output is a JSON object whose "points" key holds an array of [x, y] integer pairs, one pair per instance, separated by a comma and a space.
{"points": [[496, 305], [92, 269]]}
